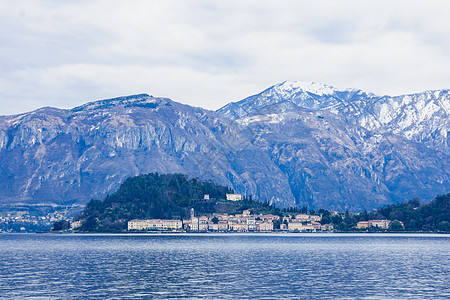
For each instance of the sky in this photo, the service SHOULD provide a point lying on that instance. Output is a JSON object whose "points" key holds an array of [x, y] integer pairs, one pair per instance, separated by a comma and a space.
{"points": [[208, 53]]}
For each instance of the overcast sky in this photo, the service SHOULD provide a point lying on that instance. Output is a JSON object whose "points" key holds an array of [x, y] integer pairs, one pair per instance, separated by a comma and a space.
{"points": [[208, 53]]}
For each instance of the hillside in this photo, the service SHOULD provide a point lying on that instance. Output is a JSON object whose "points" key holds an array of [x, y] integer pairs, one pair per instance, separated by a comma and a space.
{"points": [[171, 196], [428, 217], [70, 156], [154, 196], [431, 216]]}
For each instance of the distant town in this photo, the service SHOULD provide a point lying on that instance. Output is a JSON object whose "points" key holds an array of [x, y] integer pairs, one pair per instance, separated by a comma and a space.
{"points": [[241, 215], [245, 222], [33, 218], [177, 203]]}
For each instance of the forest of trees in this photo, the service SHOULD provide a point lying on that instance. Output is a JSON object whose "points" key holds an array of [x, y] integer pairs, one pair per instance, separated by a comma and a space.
{"points": [[432, 216]]}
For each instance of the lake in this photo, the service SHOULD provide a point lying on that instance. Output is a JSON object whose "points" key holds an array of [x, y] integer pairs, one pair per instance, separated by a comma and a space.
{"points": [[225, 266]]}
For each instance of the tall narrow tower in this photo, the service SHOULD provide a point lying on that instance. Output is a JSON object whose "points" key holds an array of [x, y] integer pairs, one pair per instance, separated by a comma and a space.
{"points": [[192, 213]]}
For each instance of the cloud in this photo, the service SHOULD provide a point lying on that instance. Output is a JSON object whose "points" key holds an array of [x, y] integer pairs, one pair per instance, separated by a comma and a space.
{"points": [[208, 53]]}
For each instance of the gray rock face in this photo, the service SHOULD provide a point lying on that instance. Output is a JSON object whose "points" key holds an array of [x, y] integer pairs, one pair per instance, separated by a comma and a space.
{"points": [[67, 156], [293, 144]]}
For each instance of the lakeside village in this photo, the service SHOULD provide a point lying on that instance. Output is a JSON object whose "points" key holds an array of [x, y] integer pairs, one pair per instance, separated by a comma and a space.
{"points": [[245, 222], [32, 218]]}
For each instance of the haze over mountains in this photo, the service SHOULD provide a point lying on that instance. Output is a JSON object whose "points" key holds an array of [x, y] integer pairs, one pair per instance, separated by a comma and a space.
{"points": [[293, 144]]}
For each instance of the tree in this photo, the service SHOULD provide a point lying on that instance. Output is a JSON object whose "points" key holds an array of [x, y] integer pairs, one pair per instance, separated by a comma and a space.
{"points": [[395, 226], [276, 224], [444, 226], [90, 224], [363, 216], [61, 225], [342, 226], [215, 220], [336, 220]]}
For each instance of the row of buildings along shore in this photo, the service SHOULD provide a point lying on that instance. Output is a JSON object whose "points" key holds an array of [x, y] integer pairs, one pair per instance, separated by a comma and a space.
{"points": [[245, 222], [381, 224]]}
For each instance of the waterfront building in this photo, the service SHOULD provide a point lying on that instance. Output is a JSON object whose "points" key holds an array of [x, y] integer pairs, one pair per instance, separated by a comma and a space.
{"points": [[251, 224], [239, 227], [264, 226], [382, 224], [187, 224], [75, 225], [326, 227], [223, 226], [295, 226], [316, 225], [213, 227], [299, 226], [194, 224], [155, 224], [203, 223], [362, 224]]}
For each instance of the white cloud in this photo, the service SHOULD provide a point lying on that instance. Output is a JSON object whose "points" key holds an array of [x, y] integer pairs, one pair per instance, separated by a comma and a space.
{"points": [[207, 53]]}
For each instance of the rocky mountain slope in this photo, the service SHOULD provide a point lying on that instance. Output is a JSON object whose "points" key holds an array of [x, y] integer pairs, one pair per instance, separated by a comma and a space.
{"points": [[348, 148], [293, 144], [68, 156]]}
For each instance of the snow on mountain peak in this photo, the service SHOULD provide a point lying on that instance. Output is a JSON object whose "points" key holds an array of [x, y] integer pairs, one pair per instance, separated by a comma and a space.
{"points": [[310, 87]]}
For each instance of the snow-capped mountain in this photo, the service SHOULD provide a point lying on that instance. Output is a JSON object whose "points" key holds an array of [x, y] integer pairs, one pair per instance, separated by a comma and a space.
{"points": [[293, 144], [349, 148], [422, 117], [289, 95]]}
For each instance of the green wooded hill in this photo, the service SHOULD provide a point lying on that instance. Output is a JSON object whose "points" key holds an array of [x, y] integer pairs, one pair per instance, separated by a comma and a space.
{"points": [[432, 216], [168, 196], [171, 196]]}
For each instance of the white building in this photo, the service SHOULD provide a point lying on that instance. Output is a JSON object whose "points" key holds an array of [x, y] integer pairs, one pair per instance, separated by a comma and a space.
{"points": [[155, 224], [264, 226], [234, 197], [251, 224], [382, 224], [203, 223], [75, 225], [194, 224]]}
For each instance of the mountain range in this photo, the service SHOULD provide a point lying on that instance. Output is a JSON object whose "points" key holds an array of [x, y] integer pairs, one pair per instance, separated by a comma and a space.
{"points": [[294, 144]]}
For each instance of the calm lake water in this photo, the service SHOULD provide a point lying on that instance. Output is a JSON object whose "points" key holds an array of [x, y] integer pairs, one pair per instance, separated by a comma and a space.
{"points": [[266, 266]]}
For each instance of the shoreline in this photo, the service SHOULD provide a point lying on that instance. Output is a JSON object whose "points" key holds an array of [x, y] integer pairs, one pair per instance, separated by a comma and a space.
{"points": [[279, 233]]}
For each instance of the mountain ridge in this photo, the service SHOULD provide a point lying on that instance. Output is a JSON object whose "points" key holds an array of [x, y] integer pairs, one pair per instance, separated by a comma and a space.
{"points": [[358, 151], [88, 152], [351, 104]]}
